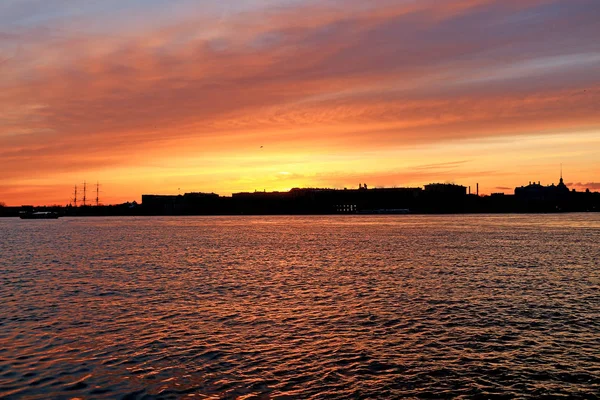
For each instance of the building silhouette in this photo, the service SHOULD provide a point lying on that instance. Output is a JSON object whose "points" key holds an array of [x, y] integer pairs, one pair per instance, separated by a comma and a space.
{"points": [[432, 198]]}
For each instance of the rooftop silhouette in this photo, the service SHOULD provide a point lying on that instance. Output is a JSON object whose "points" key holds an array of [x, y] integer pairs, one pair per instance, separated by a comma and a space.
{"points": [[432, 198]]}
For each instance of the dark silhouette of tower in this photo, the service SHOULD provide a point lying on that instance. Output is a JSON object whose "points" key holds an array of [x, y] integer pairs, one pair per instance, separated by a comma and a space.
{"points": [[561, 178], [97, 194], [561, 183]]}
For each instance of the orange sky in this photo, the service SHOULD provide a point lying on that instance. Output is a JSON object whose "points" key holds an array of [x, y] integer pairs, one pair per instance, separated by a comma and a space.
{"points": [[167, 96]]}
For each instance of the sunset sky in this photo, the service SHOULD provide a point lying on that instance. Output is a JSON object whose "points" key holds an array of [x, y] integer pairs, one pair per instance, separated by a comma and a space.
{"points": [[165, 96]]}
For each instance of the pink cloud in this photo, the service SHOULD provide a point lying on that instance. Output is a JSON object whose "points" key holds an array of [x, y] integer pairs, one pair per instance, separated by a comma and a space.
{"points": [[582, 186], [357, 77]]}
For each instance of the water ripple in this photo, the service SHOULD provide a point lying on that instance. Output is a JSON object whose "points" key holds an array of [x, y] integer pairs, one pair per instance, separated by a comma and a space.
{"points": [[313, 307]]}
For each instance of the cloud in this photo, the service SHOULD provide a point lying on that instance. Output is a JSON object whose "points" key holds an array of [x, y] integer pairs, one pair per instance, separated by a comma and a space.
{"points": [[308, 75], [450, 164], [582, 186]]}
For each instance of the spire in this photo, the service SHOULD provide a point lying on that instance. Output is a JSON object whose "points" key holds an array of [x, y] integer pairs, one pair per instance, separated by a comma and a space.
{"points": [[561, 184], [561, 176]]}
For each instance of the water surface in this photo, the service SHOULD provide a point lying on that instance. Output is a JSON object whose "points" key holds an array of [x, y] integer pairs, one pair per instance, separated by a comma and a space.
{"points": [[301, 307]]}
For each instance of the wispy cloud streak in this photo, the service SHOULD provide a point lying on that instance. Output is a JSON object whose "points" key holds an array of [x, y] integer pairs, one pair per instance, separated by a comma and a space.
{"points": [[296, 74]]}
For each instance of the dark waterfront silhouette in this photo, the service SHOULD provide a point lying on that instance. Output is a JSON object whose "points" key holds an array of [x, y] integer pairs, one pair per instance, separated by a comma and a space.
{"points": [[436, 198]]}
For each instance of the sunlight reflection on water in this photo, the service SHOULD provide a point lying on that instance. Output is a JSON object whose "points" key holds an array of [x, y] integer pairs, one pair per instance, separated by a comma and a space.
{"points": [[304, 307]]}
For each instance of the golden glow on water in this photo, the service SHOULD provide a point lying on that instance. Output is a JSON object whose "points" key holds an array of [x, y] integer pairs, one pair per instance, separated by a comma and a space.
{"points": [[307, 307]]}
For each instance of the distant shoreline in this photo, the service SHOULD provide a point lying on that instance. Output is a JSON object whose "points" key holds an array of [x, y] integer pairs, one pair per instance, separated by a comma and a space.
{"points": [[321, 215], [435, 198]]}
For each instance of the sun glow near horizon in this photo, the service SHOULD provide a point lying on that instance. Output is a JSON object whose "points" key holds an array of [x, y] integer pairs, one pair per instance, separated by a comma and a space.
{"points": [[220, 98]]}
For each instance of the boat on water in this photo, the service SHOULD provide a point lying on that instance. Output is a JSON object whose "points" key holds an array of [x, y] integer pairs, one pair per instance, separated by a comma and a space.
{"points": [[38, 215]]}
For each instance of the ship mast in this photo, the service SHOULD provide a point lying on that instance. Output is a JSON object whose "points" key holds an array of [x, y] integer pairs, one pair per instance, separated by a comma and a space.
{"points": [[84, 192], [75, 196]]}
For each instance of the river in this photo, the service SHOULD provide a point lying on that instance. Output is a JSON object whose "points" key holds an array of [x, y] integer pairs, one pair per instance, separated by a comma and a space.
{"points": [[339, 307]]}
